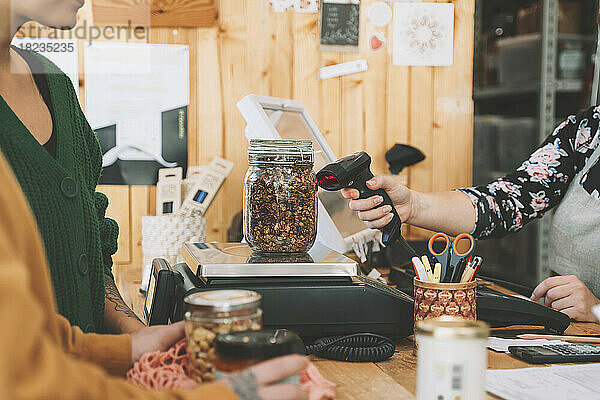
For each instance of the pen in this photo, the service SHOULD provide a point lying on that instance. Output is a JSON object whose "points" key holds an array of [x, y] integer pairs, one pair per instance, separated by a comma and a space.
{"points": [[437, 271], [449, 273], [458, 271], [469, 274], [425, 260], [466, 273], [477, 261]]}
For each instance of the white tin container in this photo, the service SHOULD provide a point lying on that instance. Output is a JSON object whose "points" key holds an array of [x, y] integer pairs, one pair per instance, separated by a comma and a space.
{"points": [[451, 359]]}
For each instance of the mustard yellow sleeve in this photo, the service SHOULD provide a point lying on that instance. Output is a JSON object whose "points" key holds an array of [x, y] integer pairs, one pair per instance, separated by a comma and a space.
{"points": [[34, 366], [111, 352]]}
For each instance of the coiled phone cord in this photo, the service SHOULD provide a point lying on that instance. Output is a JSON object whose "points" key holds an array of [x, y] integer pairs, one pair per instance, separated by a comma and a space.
{"points": [[359, 347]]}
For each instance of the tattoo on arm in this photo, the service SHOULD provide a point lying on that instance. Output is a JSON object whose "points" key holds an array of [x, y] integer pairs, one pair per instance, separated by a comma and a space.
{"points": [[113, 295], [244, 385]]}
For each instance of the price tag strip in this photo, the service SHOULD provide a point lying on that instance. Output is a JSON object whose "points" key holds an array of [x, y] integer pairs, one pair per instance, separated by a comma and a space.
{"points": [[168, 190], [207, 185]]}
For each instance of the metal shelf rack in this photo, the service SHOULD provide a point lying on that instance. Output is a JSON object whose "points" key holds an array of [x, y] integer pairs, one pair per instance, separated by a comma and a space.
{"points": [[545, 91]]}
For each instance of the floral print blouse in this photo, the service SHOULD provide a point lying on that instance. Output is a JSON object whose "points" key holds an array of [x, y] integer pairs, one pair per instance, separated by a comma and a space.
{"points": [[540, 183]]}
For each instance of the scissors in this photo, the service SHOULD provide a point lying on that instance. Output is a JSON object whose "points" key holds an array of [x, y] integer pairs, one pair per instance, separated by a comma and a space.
{"points": [[450, 256]]}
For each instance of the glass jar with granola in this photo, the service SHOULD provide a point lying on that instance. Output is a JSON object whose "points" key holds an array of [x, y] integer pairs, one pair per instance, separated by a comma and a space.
{"points": [[280, 196]]}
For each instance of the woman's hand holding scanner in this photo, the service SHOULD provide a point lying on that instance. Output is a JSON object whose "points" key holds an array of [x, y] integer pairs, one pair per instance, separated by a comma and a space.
{"points": [[568, 295], [451, 212], [262, 381], [369, 209], [153, 338]]}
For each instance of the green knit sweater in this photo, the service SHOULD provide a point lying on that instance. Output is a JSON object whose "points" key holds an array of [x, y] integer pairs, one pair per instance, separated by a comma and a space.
{"points": [[61, 191]]}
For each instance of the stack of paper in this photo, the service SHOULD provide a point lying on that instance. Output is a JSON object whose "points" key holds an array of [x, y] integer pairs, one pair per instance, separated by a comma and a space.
{"points": [[501, 345], [572, 382]]}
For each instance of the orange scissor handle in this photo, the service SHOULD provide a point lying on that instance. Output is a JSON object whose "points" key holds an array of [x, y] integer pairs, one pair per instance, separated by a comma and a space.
{"points": [[436, 236], [460, 237]]}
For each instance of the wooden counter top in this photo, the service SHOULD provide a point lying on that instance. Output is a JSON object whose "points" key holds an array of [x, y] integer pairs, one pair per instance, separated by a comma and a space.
{"points": [[394, 379]]}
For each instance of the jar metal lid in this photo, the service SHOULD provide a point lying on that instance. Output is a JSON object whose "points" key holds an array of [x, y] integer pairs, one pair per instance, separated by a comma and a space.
{"points": [[223, 300], [452, 328], [261, 345], [279, 151]]}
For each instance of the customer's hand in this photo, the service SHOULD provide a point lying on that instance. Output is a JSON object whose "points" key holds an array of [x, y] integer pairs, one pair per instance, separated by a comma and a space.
{"points": [[568, 295], [368, 209], [261, 381], [153, 338]]}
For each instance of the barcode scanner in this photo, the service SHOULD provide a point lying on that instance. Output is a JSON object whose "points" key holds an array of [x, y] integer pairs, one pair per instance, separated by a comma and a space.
{"points": [[354, 171]]}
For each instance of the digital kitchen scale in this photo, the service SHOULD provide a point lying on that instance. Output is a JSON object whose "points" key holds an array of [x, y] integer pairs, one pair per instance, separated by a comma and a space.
{"points": [[317, 294], [224, 263]]}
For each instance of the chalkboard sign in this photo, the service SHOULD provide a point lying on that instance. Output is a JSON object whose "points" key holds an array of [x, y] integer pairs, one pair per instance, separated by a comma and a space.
{"points": [[339, 25]]}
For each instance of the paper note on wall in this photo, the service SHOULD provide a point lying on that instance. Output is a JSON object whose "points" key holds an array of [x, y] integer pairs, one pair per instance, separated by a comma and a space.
{"points": [[131, 86], [423, 34], [62, 52]]}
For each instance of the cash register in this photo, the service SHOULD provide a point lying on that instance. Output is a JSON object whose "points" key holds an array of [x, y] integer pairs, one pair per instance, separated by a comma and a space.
{"points": [[318, 294]]}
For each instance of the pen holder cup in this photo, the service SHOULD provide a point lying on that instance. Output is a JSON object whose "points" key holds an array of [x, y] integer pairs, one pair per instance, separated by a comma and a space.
{"points": [[434, 300]]}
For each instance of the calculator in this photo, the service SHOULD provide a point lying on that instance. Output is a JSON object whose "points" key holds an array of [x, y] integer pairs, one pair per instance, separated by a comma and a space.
{"points": [[557, 353]]}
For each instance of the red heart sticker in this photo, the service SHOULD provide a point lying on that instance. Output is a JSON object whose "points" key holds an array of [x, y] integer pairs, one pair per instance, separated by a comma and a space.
{"points": [[377, 41]]}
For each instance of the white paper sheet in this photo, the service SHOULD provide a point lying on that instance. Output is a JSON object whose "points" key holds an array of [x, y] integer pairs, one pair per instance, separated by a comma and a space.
{"points": [[130, 84], [501, 344], [423, 34], [62, 52], [571, 382]]}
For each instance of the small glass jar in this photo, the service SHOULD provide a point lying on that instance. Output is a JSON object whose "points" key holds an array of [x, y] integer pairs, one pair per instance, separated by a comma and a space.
{"points": [[240, 350], [453, 350], [212, 313], [280, 196]]}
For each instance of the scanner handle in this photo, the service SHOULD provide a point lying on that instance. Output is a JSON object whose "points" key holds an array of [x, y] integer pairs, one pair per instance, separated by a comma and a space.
{"points": [[390, 232]]}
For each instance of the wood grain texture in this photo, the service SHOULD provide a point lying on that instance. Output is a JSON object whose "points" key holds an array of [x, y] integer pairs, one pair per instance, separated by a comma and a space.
{"points": [[155, 13], [139, 206], [453, 108], [207, 131], [118, 209], [358, 381], [235, 64]]}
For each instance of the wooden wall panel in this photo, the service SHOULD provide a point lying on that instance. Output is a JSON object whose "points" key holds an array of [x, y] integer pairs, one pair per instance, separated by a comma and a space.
{"points": [[452, 149], [141, 203], [255, 50], [236, 70], [375, 94], [306, 63], [207, 140], [155, 13], [119, 210]]}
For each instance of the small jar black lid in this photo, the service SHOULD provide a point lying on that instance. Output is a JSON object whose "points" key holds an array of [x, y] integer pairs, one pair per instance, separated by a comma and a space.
{"points": [[261, 345]]}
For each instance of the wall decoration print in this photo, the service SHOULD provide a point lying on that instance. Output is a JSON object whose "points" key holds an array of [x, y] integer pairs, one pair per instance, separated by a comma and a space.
{"points": [[340, 25], [423, 34]]}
